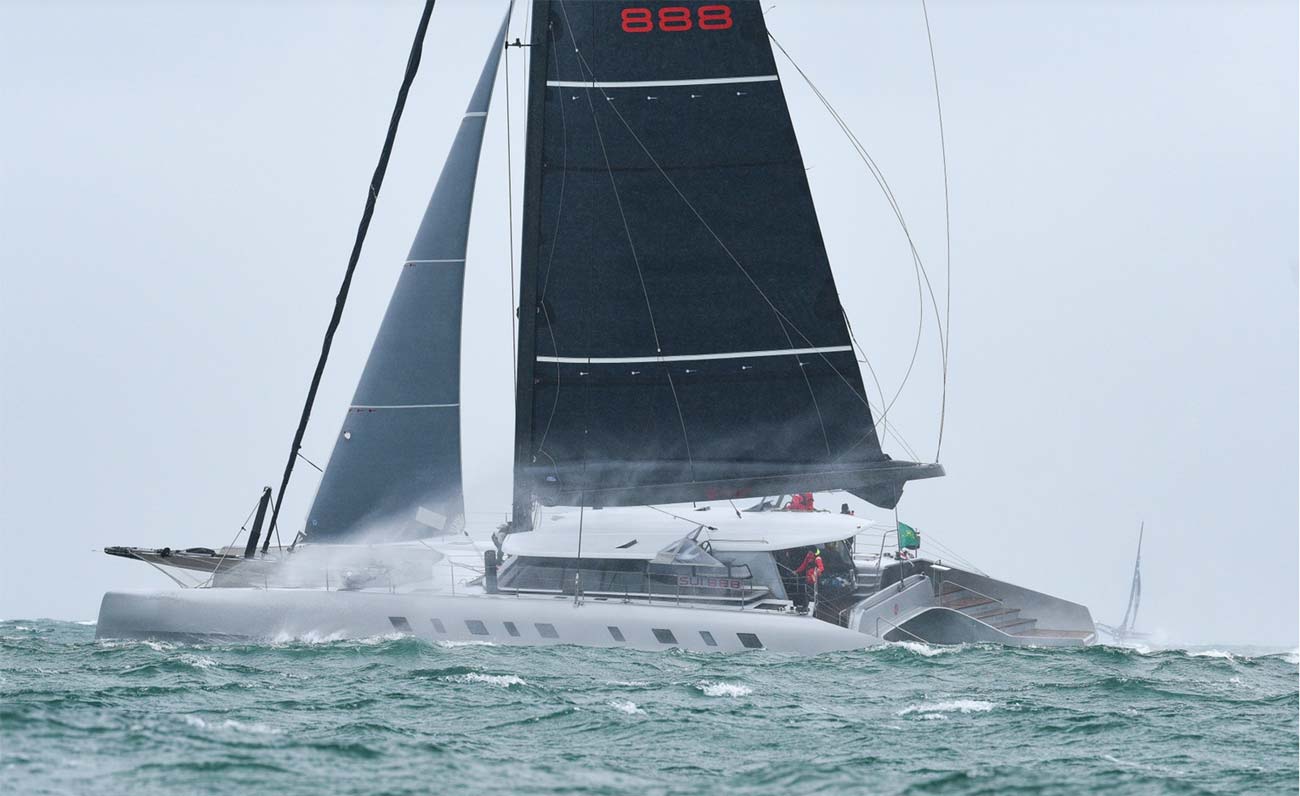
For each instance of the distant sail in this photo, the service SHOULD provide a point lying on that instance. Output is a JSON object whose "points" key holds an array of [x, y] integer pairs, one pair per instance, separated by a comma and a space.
{"points": [[395, 471], [681, 336], [1135, 589]]}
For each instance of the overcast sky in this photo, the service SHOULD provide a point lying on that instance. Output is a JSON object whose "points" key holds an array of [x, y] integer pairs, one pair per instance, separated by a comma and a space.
{"points": [[180, 185]]}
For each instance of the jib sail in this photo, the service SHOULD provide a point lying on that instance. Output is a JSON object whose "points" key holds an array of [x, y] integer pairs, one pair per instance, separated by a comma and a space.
{"points": [[395, 470]]}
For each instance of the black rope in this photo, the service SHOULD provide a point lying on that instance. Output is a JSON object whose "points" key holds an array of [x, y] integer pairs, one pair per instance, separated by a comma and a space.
{"points": [[309, 461], [412, 66], [243, 526]]}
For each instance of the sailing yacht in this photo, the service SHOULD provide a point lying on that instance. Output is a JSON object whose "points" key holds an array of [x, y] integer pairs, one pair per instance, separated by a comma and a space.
{"points": [[670, 392], [1126, 631]]}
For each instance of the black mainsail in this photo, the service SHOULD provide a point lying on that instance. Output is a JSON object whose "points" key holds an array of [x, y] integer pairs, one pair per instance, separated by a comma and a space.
{"points": [[681, 337], [395, 471]]}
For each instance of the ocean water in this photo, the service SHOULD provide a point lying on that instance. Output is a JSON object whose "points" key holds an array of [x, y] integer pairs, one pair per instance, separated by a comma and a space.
{"points": [[402, 716]]}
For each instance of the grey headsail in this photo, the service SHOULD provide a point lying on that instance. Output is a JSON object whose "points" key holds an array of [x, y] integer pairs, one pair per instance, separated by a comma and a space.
{"points": [[681, 337], [395, 470]]}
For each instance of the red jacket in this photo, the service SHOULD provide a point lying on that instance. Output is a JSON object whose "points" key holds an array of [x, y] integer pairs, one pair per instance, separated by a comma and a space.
{"points": [[801, 502], [812, 567]]}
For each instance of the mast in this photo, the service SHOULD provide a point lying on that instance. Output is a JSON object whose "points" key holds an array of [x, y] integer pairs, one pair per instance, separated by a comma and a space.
{"points": [[530, 245]]}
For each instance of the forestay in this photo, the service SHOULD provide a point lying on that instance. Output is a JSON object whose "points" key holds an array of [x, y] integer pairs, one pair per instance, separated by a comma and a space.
{"points": [[681, 335]]}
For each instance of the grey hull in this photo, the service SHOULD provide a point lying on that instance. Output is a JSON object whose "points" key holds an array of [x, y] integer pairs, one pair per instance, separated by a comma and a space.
{"points": [[259, 615]]}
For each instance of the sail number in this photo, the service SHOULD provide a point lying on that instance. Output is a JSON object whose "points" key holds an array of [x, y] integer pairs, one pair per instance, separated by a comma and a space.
{"points": [[674, 19]]}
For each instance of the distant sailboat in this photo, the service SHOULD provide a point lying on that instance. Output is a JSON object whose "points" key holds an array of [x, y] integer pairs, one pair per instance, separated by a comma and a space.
{"points": [[1125, 630], [664, 363]]}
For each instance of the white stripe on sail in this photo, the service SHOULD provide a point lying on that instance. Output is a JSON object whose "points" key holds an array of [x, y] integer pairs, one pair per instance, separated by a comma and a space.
{"points": [[783, 352], [707, 81], [403, 406]]}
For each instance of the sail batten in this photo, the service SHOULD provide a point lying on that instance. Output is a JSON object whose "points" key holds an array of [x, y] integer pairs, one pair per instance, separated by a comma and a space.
{"points": [[785, 352], [395, 472], [703, 81], [681, 336]]}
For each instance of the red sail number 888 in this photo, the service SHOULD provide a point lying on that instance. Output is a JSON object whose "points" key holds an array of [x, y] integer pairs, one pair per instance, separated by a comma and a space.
{"points": [[676, 18]]}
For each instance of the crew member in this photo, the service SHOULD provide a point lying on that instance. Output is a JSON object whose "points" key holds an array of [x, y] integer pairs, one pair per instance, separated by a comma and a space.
{"points": [[812, 567], [802, 501]]}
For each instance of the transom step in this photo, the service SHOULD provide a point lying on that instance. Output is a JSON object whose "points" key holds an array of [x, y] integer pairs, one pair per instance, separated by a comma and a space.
{"points": [[961, 604], [988, 610]]}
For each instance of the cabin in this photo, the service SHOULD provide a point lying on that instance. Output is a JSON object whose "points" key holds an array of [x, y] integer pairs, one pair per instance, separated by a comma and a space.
{"points": [[704, 556]]}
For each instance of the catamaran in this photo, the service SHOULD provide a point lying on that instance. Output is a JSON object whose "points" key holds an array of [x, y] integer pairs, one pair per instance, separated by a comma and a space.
{"points": [[670, 393]]}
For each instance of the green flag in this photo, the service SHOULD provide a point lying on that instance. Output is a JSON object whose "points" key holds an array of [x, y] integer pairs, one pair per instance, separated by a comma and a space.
{"points": [[908, 538]]}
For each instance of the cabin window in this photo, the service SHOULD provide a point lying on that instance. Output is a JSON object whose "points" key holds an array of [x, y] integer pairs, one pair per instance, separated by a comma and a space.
{"points": [[616, 633], [664, 635], [511, 629], [439, 626], [750, 641], [476, 627], [546, 630], [708, 638], [612, 576], [400, 624]]}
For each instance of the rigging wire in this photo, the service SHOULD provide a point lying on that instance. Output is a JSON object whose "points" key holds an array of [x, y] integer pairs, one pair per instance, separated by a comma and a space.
{"points": [[376, 181], [696, 523], [275, 529], [886, 428], [918, 263], [243, 528], [510, 226], [550, 259], [865, 360], [947, 233], [952, 554]]}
